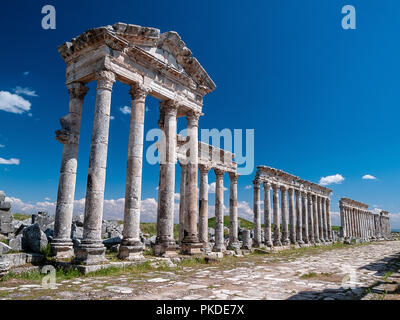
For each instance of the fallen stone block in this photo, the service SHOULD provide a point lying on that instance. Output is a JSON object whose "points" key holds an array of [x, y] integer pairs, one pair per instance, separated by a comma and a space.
{"points": [[34, 239]]}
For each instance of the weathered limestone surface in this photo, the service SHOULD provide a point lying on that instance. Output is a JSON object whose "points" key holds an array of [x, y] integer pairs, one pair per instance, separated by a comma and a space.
{"points": [[91, 249], [219, 211], [6, 217], [131, 246], [357, 222]]}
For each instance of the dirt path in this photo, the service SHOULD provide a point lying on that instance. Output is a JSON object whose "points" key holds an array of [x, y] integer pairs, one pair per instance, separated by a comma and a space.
{"points": [[347, 273]]}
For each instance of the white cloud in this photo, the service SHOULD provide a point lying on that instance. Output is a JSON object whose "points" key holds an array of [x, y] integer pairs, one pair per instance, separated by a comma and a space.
{"points": [[10, 161], [25, 91], [248, 187], [368, 177], [13, 103], [2, 145], [47, 199], [26, 73], [337, 179], [125, 110], [211, 187], [112, 117]]}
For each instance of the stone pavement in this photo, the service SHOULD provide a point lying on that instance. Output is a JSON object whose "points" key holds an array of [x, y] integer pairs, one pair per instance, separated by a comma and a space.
{"points": [[342, 273]]}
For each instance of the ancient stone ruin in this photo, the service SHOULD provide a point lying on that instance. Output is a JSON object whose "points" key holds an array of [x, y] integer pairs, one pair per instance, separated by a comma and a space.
{"points": [[357, 222], [307, 214]]}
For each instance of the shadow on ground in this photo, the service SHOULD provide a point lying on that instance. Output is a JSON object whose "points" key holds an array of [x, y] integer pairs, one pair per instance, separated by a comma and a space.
{"points": [[387, 286]]}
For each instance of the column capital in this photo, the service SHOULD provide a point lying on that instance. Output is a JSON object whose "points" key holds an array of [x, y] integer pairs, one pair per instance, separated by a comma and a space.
{"points": [[204, 169], [275, 187], [290, 190], [169, 107], [233, 176], [267, 185], [138, 91], [105, 79], [297, 192], [256, 183], [283, 188], [193, 118], [77, 90], [219, 172]]}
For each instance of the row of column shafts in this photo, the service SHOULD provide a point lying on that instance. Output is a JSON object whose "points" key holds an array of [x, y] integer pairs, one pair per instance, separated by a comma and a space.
{"points": [[358, 222], [305, 215], [193, 236], [299, 217]]}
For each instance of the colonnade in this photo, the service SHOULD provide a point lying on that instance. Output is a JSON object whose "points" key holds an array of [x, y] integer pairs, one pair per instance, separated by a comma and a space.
{"points": [[358, 222], [298, 214]]}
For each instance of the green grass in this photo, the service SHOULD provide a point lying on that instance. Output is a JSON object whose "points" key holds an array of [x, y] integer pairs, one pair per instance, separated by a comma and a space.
{"points": [[5, 241], [308, 275], [21, 216], [243, 223], [151, 229]]}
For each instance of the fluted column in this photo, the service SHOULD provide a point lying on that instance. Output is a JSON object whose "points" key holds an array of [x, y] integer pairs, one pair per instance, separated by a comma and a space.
{"points": [[316, 220], [285, 216], [61, 245], [320, 219], [257, 213], [343, 220], [131, 246], [277, 224], [305, 215], [182, 195], [267, 214], [190, 243], [324, 219], [219, 211], [328, 218], [233, 212], [292, 223], [311, 225], [165, 242], [203, 205], [91, 250], [299, 218]]}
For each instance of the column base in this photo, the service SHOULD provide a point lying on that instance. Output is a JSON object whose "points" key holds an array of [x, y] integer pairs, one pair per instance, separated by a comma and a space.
{"points": [[286, 242], [219, 248], [130, 250], [300, 242], [277, 243], [192, 248], [62, 248], [89, 253], [269, 244], [166, 249], [235, 245]]}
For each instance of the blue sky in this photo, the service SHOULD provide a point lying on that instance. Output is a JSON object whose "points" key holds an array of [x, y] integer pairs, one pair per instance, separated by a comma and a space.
{"points": [[322, 100]]}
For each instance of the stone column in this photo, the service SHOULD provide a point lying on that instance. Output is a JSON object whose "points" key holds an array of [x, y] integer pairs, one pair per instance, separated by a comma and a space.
{"points": [[267, 214], [292, 232], [165, 242], [219, 211], [299, 219], [91, 250], [233, 212], [316, 221], [182, 201], [347, 221], [131, 246], [320, 219], [305, 215], [323, 204], [285, 216], [190, 243], [277, 224], [328, 218], [257, 214], [203, 205], [343, 220], [61, 245], [311, 225]]}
